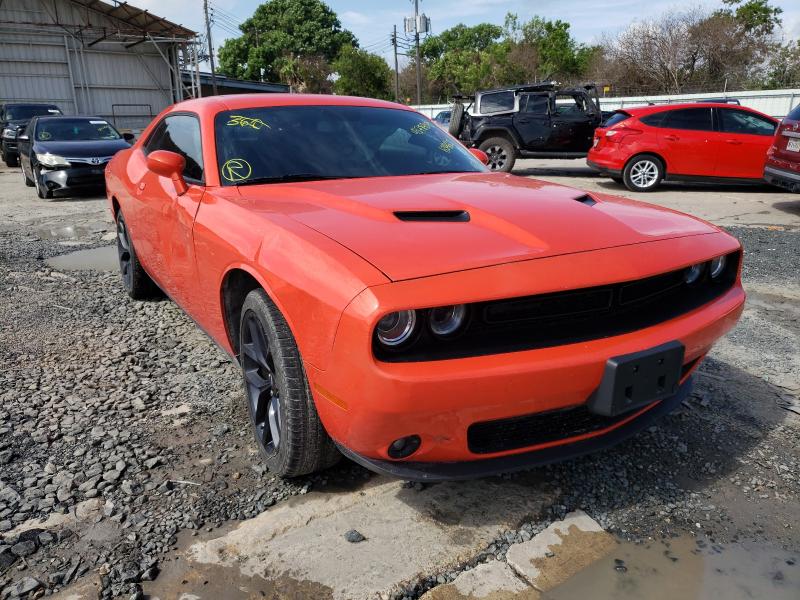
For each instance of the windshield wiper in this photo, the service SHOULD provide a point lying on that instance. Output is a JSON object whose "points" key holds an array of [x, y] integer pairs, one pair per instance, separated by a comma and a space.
{"points": [[289, 177]]}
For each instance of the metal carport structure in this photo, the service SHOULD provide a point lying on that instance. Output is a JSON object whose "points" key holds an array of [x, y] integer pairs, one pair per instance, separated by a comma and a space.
{"points": [[94, 57]]}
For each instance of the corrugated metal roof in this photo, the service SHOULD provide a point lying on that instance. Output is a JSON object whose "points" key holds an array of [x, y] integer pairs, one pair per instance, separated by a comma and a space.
{"points": [[136, 18]]}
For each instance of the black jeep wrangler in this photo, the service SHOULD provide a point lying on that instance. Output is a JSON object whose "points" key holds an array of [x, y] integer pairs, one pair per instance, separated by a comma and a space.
{"points": [[527, 121], [13, 118]]}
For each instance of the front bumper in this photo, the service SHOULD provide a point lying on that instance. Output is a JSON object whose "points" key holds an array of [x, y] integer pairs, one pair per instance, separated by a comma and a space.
{"points": [[472, 469], [789, 180], [9, 149], [366, 404], [73, 179]]}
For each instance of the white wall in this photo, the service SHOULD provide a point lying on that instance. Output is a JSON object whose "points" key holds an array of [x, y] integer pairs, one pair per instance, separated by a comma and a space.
{"points": [[776, 103]]}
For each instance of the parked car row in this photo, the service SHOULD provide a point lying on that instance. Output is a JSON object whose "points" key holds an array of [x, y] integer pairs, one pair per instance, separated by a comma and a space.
{"points": [[713, 139], [59, 154]]}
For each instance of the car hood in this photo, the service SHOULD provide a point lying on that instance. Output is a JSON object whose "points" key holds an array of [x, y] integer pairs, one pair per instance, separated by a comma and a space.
{"points": [[510, 219], [82, 149]]}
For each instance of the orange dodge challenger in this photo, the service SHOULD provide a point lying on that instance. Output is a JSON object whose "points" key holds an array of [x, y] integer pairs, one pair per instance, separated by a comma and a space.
{"points": [[391, 299]]}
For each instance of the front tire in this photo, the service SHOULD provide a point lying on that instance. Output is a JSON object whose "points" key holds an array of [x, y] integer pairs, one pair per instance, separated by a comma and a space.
{"points": [[501, 152], [134, 278], [643, 173], [283, 416], [41, 189]]}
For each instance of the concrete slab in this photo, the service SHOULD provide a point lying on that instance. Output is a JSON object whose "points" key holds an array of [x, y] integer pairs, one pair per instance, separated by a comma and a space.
{"points": [[560, 551], [84, 511], [489, 581], [409, 533]]}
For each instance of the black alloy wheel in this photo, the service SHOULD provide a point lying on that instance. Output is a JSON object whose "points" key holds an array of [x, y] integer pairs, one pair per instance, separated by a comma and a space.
{"points": [[264, 398]]}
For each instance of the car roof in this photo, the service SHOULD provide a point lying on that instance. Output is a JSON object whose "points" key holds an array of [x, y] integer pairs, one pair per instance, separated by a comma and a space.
{"points": [[638, 111], [41, 118], [215, 104], [12, 104]]}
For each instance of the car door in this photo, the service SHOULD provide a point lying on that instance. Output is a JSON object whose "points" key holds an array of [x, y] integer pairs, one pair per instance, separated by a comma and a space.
{"points": [[742, 144], [572, 123], [687, 141], [532, 120], [165, 220]]}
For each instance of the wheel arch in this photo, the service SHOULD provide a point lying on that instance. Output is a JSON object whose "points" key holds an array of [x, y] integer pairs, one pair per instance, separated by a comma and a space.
{"points": [[237, 282], [647, 153], [491, 132]]}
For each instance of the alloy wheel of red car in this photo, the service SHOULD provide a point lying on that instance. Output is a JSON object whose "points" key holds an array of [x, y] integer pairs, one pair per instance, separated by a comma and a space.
{"points": [[263, 394]]}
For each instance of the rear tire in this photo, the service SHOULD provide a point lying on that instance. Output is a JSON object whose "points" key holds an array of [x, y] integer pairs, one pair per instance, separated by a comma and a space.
{"points": [[134, 278], [283, 415], [643, 173], [501, 152]]}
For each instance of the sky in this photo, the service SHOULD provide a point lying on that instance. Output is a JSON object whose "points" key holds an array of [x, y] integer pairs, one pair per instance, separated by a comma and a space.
{"points": [[372, 20]]}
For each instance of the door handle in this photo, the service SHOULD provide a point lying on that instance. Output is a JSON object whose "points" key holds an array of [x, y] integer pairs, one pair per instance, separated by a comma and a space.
{"points": [[734, 142], [671, 138]]}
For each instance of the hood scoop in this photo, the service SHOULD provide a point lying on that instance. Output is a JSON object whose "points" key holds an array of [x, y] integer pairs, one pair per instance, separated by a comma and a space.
{"points": [[585, 199], [433, 216]]}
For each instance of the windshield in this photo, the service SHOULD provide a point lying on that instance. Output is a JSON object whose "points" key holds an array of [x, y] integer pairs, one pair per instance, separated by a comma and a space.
{"points": [[283, 143], [74, 130], [20, 113]]}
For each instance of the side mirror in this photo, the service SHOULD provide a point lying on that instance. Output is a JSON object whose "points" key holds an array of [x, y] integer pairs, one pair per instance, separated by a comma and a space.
{"points": [[480, 155], [23, 138], [169, 164], [128, 137]]}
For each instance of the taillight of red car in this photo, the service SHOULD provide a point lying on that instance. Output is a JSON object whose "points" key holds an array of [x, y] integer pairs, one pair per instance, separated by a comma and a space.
{"points": [[619, 134]]}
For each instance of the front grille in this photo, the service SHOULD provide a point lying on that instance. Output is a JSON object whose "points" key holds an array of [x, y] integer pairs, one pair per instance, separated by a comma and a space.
{"points": [[530, 430], [560, 318]]}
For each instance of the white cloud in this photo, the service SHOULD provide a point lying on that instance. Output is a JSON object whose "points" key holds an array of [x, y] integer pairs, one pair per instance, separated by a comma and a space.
{"points": [[352, 17]]}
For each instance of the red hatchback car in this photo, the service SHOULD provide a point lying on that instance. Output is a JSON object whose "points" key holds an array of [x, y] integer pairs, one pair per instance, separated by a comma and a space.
{"points": [[640, 147], [783, 157]]}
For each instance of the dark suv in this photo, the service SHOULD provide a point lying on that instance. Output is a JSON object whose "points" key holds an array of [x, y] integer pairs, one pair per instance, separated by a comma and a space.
{"points": [[14, 117], [528, 121]]}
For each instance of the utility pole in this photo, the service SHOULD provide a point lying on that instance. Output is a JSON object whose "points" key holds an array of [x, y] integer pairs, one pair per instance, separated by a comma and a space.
{"points": [[210, 49], [396, 68], [416, 42]]}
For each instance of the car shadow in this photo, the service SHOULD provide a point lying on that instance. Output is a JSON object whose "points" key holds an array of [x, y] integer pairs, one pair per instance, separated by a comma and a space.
{"points": [[78, 197], [691, 450], [791, 206]]}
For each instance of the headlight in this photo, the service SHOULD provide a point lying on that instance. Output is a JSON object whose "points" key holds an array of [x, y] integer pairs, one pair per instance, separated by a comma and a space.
{"points": [[9, 134], [397, 327], [446, 320], [717, 267], [52, 160], [693, 273]]}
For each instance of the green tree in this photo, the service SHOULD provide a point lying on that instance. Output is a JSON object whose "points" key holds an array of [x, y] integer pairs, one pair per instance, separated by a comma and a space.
{"points": [[278, 35], [362, 74], [755, 16], [463, 59]]}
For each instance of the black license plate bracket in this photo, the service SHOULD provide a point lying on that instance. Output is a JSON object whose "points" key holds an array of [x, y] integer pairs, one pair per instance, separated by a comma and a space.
{"points": [[633, 380]]}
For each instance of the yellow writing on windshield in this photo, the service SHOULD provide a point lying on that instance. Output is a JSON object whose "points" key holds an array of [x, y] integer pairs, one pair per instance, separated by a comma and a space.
{"points": [[242, 121], [236, 169]]}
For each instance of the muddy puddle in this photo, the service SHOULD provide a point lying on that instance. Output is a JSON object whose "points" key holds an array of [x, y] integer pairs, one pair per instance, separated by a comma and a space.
{"points": [[72, 232], [96, 259], [689, 569]]}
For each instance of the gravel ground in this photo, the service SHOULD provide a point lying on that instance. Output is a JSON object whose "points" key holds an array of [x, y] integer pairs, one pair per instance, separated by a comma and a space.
{"points": [[124, 411]]}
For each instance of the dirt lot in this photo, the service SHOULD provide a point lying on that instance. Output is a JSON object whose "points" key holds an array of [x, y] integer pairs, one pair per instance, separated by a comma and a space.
{"points": [[126, 467]]}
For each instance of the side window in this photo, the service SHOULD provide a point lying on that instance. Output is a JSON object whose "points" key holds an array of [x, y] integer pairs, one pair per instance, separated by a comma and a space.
{"points": [[795, 114], [654, 120], [180, 134], [497, 102], [740, 121], [695, 119], [569, 105], [536, 104]]}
